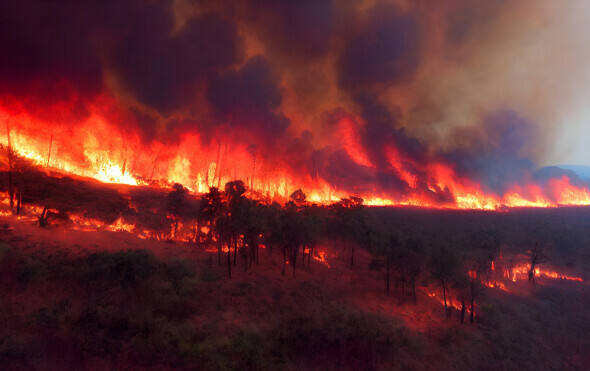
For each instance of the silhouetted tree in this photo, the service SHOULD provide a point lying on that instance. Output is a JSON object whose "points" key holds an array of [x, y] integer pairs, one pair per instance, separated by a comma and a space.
{"points": [[443, 265], [212, 206], [252, 215], [274, 236], [175, 205], [313, 229], [383, 243], [536, 256], [414, 257], [293, 227], [234, 192], [347, 223]]}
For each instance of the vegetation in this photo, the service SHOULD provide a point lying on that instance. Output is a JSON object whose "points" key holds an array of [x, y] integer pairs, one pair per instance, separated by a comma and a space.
{"points": [[130, 309]]}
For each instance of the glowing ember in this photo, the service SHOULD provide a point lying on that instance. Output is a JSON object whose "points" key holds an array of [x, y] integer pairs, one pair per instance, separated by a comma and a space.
{"points": [[451, 303], [321, 257], [521, 272]]}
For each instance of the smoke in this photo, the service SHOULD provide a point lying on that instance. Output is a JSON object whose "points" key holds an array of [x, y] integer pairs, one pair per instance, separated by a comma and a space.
{"points": [[495, 156], [493, 89], [249, 99]]}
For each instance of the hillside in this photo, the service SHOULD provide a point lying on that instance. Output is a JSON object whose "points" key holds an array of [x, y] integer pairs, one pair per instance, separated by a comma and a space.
{"points": [[88, 299]]}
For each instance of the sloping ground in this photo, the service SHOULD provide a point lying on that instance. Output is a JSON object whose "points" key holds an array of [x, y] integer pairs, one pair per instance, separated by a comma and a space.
{"points": [[99, 300], [71, 197]]}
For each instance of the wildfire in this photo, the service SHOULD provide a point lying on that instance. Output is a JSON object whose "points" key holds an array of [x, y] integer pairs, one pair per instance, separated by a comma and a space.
{"points": [[320, 256], [452, 303], [521, 272], [97, 149]]}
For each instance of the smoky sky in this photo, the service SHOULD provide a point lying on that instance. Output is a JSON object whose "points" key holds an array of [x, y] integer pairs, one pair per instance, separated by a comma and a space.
{"points": [[422, 78]]}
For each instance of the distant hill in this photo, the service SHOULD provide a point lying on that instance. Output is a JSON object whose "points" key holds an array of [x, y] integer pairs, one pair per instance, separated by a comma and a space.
{"points": [[579, 175], [583, 172]]}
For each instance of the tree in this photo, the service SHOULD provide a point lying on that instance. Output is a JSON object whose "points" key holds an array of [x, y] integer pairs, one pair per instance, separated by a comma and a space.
{"points": [[313, 228], [224, 236], [174, 204], [293, 227], [274, 235], [413, 259], [252, 216], [347, 224], [443, 265], [298, 198], [212, 207], [383, 243], [536, 256], [234, 192]]}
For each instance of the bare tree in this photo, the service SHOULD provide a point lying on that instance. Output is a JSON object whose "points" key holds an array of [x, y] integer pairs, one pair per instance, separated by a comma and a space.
{"points": [[536, 256]]}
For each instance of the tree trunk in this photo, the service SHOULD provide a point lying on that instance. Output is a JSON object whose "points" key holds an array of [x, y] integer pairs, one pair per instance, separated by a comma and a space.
{"points": [[245, 254], [414, 291], [294, 260], [235, 248], [403, 279], [303, 255], [219, 250], [462, 310], [257, 248], [252, 251], [10, 169], [445, 299], [43, 217], [18, 202], [387, 278], [472, 302], [155, 163], [215, 175], [229, 261], [532, 274], [352, 256], [50, 144], [284, 258]]}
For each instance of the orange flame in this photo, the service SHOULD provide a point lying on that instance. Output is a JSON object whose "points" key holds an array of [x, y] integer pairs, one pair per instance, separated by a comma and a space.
{"points": [[98, 149]]}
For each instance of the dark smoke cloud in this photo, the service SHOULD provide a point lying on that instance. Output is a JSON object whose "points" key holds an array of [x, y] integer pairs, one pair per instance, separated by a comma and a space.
{"points": [[383, 129], [464, 19], [387, 51], [494, 157], [341, 171], [47, 58], [163, 69], [249, 98], [299, 154], [245, 68], [297, 30]]}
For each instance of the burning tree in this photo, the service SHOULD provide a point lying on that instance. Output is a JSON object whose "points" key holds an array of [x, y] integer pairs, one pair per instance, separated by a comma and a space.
{"points": [[313, 229], [211, 211], [293, 225], [175, 204], [536, 256], [253, 216], [443, 266], [234, 192]]}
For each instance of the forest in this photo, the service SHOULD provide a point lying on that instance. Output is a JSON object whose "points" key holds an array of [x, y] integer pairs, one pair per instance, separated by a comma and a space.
{"points": [[231, 280]]}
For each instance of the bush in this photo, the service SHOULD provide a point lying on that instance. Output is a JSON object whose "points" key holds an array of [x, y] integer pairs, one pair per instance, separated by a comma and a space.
{"points": [[339, 337], [126, 268]]}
